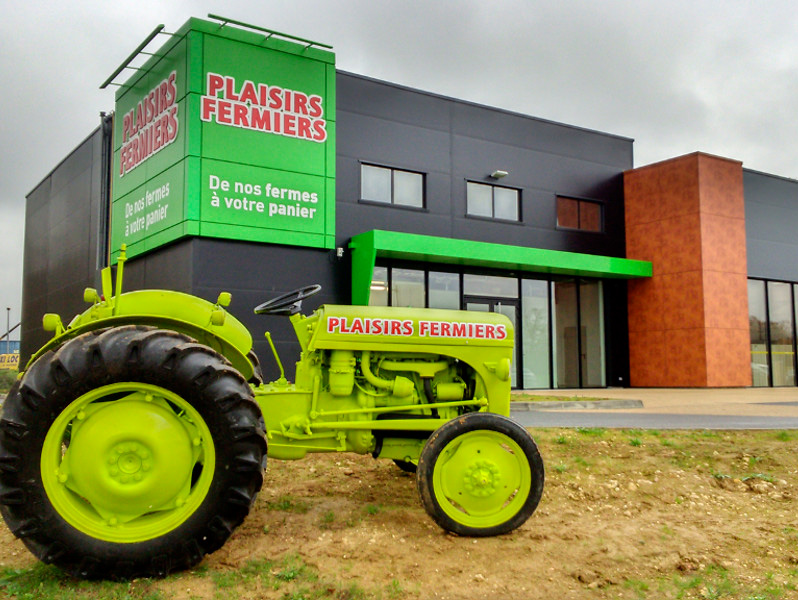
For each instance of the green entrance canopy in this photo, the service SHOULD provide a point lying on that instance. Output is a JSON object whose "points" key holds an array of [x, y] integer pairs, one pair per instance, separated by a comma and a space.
{"points": [[368, 246]]}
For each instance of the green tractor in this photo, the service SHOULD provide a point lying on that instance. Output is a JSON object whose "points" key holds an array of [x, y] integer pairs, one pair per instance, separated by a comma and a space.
{"points": [[134, 441]]}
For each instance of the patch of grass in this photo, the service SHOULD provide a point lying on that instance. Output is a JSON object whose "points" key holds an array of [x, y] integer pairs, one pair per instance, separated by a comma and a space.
{"points": [[373, 509], [257, 568], [327, 519], [762, 476], [591, 431], [711, 583], [228, 583], [7, 379], [45, 582], [351, 592], [635, 442], [637, 586], [394, 589], [562, 440], [785, 436], [289, 504], [291, 578], [224, 580], [201, 570], [561, 468], [293, 568], [715, 583]]}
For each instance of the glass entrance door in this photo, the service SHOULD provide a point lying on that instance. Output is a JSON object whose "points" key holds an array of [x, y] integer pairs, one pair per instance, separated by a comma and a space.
{"points": [[578, 334], [507, 307]]}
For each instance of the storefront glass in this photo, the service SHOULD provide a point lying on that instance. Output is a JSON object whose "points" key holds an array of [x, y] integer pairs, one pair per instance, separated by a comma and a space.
{"points": [[379, 287], [578, 334], [546, 316], [444, 290], [758, 322], [535, 334], [490, 285], [780, 311], [591, 310], [407, 288], [566, 340]]}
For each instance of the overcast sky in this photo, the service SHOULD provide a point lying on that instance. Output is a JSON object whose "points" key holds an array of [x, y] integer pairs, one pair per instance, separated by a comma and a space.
{"points": [[677, 76]]}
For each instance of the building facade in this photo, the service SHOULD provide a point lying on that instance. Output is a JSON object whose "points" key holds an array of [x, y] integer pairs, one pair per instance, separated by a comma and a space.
{"points": [[612, 275]]}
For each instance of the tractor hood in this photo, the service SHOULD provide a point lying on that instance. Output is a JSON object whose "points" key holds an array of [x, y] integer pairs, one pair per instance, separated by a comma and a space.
{"points": [[395, 329]]}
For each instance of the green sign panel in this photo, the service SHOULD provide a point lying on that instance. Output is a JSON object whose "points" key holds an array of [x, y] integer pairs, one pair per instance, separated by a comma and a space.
{"points": [[226, 133]]}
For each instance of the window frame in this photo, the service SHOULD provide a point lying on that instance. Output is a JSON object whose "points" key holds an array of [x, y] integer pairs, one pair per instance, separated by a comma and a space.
{"points": [[579, 202], [392, 202], [493, 188]]}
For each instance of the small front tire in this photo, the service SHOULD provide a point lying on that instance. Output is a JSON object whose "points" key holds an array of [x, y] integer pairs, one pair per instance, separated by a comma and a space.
{"points": [[408, 466], [480, 475]]}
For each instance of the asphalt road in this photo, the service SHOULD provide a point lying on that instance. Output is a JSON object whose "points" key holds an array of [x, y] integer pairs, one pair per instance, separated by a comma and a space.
{"points": [[628, 420]]}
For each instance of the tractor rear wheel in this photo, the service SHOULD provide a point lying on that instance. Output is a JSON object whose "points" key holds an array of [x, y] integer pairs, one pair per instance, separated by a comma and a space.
{"points": [[129, 452], [480, 475]]}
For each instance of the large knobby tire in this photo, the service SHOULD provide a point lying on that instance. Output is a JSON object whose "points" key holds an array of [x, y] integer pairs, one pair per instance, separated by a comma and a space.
{"points": [[129, 452], [480, 475]]}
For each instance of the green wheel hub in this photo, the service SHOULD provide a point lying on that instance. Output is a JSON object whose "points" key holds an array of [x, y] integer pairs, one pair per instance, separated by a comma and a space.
{"points": [[127, 462], [481, 478]]}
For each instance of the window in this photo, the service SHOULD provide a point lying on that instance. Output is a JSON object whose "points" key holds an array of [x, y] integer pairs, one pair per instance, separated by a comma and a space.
{"points": [[772, 317], [579, 214], [407, 287], [782, 341], [490, 285], [758, 326], [379, 287], [391, 186], [492, 201], [443, 290]]}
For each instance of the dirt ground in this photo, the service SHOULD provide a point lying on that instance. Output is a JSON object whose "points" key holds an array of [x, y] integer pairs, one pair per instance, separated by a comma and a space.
{"points": [[624, 515]]}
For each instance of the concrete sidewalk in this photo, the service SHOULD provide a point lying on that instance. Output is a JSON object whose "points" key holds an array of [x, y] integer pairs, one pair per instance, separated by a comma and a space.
{"points": [[749, 402]]}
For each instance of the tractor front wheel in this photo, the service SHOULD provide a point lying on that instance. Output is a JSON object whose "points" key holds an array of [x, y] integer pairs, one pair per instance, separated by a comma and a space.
{"points": [[480, 475], [129, 452]]}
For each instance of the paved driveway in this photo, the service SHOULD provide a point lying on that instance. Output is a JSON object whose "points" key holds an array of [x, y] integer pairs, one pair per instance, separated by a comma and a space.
{"points": [[728, 408]]}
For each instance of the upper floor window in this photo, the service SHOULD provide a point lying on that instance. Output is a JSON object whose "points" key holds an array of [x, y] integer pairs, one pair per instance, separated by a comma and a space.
{"points": [[391, 186], [492, 201], [579, 214]]}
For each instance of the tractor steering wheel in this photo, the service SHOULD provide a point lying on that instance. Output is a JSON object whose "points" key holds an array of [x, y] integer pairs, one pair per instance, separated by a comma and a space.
{"points": [[289, 303]]}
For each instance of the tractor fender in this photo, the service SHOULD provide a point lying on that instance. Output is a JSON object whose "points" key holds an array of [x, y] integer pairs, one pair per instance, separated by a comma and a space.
{"points": [[208, 323]]}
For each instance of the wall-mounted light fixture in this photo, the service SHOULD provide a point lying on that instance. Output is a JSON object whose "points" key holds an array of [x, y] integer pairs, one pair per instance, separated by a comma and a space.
{"points": [[498, 174]]}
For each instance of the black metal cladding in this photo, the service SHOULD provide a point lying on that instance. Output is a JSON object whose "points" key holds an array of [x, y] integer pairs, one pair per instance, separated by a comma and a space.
{"points": [[452, 141], [63, 231], [771, 214]]}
